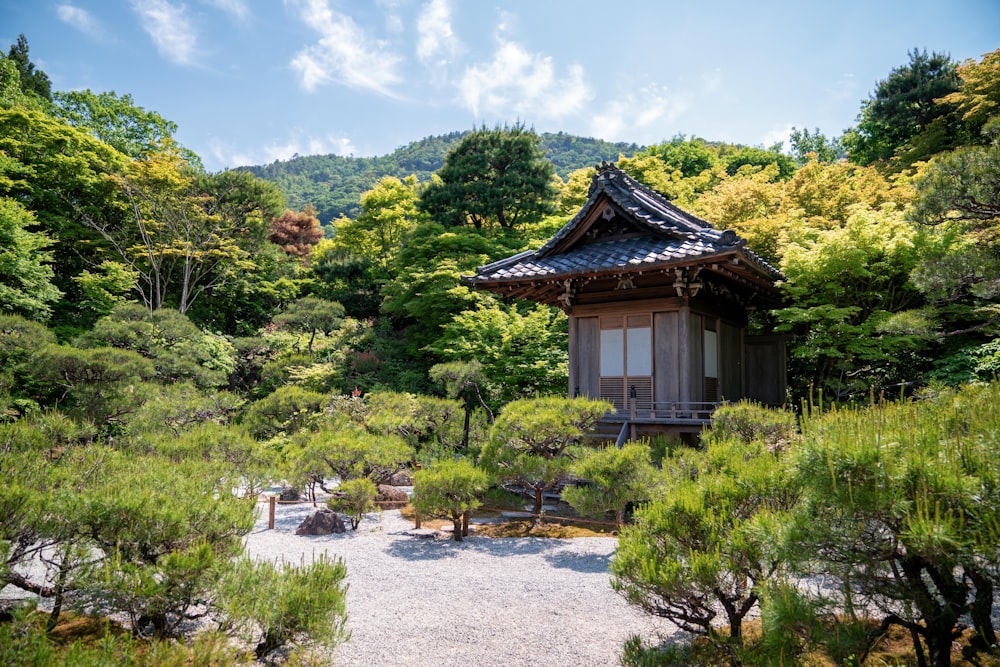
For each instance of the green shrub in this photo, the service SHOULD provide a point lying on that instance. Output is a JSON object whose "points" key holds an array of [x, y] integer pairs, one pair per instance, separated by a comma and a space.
{"points": [[750, 421], [613, 478], [451, 488], [354, 497], [278, 605]]}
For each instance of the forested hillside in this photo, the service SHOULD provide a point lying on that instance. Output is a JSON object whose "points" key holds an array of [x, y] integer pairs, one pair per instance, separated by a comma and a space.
{"points": [[333, 184], [172, 341]]}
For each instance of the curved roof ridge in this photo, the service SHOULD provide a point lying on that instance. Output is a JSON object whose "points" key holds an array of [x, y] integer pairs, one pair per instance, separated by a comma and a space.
{"points": [[641, 192]]}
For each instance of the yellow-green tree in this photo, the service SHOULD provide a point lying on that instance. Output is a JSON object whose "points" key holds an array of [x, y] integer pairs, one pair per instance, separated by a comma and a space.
{"points": [[388, 213], [184, 232]]}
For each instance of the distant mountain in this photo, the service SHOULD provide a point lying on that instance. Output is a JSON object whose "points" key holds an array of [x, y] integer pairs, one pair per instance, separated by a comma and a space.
{"points": [[334, 184]]}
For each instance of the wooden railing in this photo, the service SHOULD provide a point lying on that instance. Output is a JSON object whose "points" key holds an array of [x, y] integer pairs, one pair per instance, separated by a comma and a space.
{"points": [[696, 410], [675, 409]]}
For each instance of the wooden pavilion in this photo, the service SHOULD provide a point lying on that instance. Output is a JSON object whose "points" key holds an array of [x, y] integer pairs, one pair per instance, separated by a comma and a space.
{"points": [[658, 303]]}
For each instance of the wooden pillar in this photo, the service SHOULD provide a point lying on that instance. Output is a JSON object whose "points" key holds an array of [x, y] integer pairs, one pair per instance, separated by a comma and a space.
{"points": [[684, 352], [574, 364], [271, 502]]}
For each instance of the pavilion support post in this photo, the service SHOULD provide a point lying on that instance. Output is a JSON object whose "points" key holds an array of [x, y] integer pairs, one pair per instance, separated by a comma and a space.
{"points": [[684, 352]]}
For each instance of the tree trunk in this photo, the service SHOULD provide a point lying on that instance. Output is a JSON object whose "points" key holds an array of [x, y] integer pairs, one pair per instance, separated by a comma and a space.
{"points": [[465, 524], [60, 588], [939, 646], [918, 648], [456, 526], [271, 641], [982, 609], [468, 422], [536, 512]]}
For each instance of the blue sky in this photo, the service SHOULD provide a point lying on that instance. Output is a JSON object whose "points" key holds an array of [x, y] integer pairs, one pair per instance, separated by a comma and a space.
{"points": [[251, 81]]}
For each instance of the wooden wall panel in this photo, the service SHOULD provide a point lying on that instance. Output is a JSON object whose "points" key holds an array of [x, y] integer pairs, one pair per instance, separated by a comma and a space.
{"points": [[765, 369], [731, 362], [665, 357], [586, 358]]}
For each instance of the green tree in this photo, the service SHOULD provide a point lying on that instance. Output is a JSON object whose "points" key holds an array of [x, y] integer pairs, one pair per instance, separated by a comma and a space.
{"points": [[20, 340], [25, 266], [311, 315], [902, 117], [519, 354], [388, 214], [428, 290], [12, 94], [900, 502], [814, 146], [843, 286], [753, 205], [117, 121], [534, 441], [689, 156], [346, 278], [33, 80], [962, 185], [612, 479], [449, 487], [288, 409], [106, 287], [347, 451], [103, 385], [63, 176], [573, 193], [355, 498], [706, 546], [186, 231], [423, 421], [166, 529], [492, 178], [463, 379], [179, 350], [117, 537], [758, 159]]}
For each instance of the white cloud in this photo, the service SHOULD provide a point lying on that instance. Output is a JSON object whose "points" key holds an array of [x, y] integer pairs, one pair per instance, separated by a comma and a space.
{"points": [[777, 135], [436, 41], [80, 19], [169, 28], [517, 81], [226, 155], [344, 53], [643, 115], [238, 8]]}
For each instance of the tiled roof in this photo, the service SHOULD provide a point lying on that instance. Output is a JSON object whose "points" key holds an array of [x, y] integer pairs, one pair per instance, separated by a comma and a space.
{"points": [[666, 235], [611, 255], [644, 205]]}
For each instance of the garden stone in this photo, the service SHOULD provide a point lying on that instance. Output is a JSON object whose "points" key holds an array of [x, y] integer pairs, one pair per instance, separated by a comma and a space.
{"points": [[321, 522]]}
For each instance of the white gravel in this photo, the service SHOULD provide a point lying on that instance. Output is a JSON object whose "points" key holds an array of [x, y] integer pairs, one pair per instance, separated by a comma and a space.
{"points": [[486, 602]]}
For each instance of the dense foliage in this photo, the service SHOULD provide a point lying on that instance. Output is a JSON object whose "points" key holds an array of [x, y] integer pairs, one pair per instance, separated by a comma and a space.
{"points": [[893, 504], [172, 340]]}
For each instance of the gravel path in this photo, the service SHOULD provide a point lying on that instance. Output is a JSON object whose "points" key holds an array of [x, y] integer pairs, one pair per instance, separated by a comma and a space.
{"points": [[486, 602]]}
